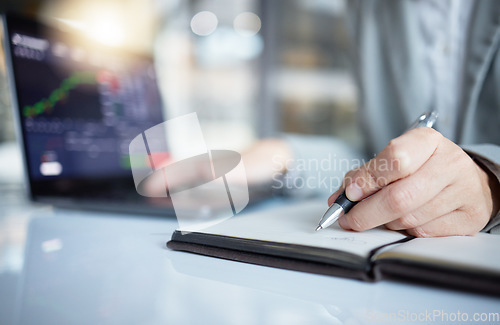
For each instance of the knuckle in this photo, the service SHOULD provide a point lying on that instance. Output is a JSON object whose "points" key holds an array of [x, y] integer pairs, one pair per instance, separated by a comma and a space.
{"points": [[371, 178], [394, 144], [395, 148], [398, 200], [399, 157]]}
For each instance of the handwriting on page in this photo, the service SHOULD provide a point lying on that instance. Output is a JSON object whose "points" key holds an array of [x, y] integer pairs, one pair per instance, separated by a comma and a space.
{"points": [[350, 240]]}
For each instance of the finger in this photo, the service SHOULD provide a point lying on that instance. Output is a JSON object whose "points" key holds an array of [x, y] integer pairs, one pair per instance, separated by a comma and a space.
{"points": [[341, 189], [456, 223], [400, 198], [450, 199], [444, 203], [400, 158]]}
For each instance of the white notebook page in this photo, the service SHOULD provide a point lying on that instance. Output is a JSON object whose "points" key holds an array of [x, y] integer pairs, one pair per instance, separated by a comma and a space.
{"points": [[295, 224], [481, 251]]}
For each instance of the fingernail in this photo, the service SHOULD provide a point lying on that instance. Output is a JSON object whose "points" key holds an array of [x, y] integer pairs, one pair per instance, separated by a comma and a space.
{"points": [[354, 192]]}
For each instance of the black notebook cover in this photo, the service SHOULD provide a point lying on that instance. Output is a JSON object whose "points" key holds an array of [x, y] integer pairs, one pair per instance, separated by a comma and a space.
{"points": [[392, 260]]}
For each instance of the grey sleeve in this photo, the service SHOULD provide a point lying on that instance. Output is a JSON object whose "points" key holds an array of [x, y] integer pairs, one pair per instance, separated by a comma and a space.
{"points": [[318, 165], [489, 156]]}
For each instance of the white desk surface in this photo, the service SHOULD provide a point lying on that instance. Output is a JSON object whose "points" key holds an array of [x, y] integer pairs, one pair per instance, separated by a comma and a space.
{"points": [[70, 267]]}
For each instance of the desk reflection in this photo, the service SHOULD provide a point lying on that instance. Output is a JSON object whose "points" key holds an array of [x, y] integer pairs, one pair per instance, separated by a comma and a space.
{"points": [[91, 268]]}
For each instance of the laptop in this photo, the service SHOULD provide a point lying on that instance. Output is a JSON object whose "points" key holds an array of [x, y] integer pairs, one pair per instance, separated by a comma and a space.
{"points": [[77, 105]]}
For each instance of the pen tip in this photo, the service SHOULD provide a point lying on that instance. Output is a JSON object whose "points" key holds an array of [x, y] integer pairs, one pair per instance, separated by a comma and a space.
{"points": [[318, 228]]}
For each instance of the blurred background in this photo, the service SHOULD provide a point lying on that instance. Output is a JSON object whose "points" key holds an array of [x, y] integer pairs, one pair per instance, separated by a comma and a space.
{"points": [[249, 68], [254, 68]]}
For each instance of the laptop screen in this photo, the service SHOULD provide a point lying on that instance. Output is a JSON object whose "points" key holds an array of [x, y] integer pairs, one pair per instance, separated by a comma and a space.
{"points": [[78, 107]]}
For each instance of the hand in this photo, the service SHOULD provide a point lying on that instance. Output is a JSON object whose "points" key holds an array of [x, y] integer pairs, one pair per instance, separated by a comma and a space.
{"points": [[261, 161], [264, 159], [422, 183]]}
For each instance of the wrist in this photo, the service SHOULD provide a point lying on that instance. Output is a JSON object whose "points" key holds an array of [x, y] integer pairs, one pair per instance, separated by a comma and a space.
{"points": [[493, 186]]}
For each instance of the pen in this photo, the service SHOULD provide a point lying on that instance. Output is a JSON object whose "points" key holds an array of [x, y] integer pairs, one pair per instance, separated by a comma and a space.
{"points": [[342, 204]]}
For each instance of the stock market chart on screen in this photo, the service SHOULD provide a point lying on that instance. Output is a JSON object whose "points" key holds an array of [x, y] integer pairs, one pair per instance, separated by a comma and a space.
{"points": [[80, 106]]}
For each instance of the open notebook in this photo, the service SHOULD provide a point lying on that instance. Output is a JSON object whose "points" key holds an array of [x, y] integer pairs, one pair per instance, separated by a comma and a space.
{"points": [[284, 237]]}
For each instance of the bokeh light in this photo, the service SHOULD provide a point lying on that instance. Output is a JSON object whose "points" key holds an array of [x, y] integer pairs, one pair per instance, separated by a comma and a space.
{"points": [[107, 28], [247, 24], [204, 23]]}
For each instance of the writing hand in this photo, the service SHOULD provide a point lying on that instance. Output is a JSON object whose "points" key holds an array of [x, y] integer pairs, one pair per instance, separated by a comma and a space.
{"points": [[422, 183]]}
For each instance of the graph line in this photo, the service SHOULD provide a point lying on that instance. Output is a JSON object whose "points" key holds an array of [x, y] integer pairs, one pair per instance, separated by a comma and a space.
{"points": [[47, 104]]}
